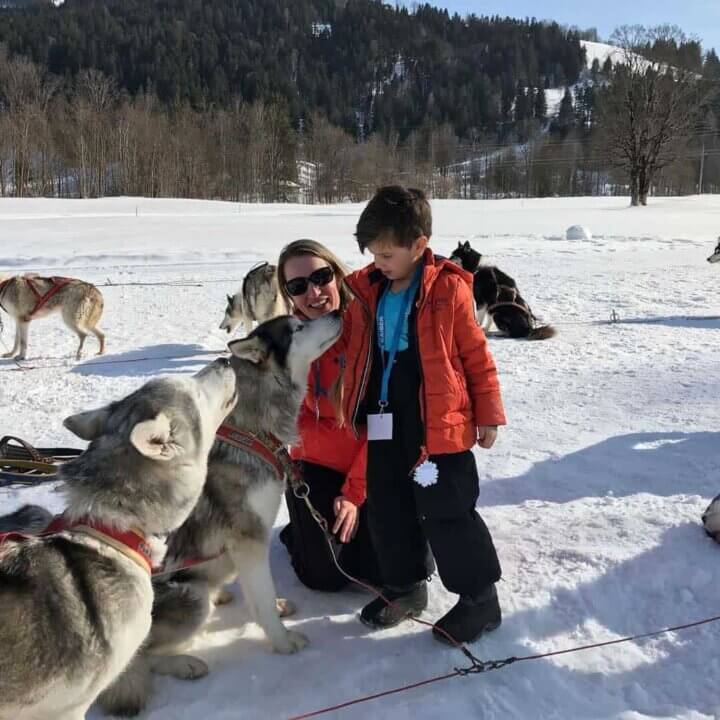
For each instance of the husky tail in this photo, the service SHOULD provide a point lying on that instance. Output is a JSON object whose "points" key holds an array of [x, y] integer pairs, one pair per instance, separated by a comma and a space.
{"points": [[543, 332], [28, 519]]}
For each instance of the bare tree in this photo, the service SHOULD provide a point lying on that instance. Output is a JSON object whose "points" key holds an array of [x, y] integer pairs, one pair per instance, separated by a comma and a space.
{"points": [[25, 93], [648, 108]]}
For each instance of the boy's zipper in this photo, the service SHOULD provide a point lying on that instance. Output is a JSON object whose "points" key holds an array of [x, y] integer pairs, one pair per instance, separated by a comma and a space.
{"points": [[423, 406], [366, 369]]}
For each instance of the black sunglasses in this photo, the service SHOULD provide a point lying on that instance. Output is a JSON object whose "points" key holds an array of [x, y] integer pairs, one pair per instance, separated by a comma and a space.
{"points": [[320, 277]]}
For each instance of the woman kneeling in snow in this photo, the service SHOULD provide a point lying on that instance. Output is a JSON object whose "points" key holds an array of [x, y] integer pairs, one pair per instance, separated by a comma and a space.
{"points": [[331, 459]]}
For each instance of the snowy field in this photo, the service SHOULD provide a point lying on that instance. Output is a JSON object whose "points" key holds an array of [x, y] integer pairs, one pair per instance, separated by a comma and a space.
{"points": [[593, 491]]}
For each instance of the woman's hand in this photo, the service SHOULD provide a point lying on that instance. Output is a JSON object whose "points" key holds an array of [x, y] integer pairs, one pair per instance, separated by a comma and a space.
{"points": [[346, 519]]}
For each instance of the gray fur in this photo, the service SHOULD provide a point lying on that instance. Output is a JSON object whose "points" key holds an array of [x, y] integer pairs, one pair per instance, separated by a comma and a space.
{"points": [[80, 303], [240, 500], [259, 299], [73, 609]]}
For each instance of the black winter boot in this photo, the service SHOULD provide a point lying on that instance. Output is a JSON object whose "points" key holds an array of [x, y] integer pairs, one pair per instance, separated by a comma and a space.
{"points": [[470, 617], [408, 601]]}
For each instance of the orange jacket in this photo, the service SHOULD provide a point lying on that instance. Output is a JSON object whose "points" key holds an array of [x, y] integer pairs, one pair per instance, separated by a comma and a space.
{"points": [[460, 389], [322, 441]]}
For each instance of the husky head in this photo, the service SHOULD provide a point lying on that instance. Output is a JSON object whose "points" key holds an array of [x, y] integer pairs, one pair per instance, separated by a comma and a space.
{"points": [[233, 312], [272, 365], [467, 258], [147, 459], [715, 257]]}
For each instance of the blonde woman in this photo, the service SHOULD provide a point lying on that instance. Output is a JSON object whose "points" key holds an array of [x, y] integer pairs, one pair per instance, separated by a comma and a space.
{"points": [[332, 459]]}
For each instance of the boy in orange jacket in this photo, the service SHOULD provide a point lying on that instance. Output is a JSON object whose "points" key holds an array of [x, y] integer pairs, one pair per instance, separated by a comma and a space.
{"points": [[420, 374]]}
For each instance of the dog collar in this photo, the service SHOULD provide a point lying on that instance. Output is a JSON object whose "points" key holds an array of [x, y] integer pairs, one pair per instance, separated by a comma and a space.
{"points": [[131, 543]]}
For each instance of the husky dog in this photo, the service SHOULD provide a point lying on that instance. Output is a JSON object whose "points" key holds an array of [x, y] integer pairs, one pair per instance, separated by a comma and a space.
{"points": [[711, 518], [715, 257], [497, 298], [75, 604], [258, 299], [233, 519], [29, 297], [466, 257]]}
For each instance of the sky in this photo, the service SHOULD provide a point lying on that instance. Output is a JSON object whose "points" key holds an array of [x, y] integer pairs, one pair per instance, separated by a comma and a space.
{"points": [[694, 17]]}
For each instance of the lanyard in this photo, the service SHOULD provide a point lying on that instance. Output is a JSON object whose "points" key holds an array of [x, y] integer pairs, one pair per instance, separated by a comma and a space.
{"points": [[403, 315]]}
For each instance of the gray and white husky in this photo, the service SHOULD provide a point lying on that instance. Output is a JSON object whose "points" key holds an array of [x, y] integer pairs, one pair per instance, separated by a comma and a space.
{"points": [[259, 299], [29, 297], [233, 519], [75, 605], [715, 257]]}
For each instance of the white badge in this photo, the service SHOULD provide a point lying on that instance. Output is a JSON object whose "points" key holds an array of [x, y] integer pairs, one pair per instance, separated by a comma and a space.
{"points": [[380, 426]]}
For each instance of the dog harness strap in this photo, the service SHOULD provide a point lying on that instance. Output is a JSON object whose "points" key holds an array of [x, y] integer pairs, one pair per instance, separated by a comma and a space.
{"points": [[131, 543], [267, 447], [3, 285], [57, 284]]}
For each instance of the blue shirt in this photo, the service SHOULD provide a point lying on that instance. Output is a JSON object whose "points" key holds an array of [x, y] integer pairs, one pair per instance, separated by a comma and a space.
{"points": [[393, 302]]}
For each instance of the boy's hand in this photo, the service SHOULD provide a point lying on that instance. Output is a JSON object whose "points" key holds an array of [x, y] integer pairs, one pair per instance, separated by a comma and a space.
{"points": [[346, 519], [486, 436]]}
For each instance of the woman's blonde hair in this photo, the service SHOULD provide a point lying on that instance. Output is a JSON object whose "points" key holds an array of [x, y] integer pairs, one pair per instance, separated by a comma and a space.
{"points": [[306, 246]]}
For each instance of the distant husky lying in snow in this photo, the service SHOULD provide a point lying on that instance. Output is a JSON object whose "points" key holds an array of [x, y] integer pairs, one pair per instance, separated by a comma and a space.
{"points": [[75, 605], [715, 257], [259, 299], [233, 520], [498, 299], [29, 297]]}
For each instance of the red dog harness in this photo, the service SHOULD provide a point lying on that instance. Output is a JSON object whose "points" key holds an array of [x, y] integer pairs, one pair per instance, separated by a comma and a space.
{"points": [[131, 543], [265, 446], [40, 298], [57, 284]]}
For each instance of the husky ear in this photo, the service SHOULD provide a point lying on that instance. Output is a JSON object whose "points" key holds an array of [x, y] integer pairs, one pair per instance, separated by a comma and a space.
{"points": [[251, 348], [88, 425], [152, 438]]}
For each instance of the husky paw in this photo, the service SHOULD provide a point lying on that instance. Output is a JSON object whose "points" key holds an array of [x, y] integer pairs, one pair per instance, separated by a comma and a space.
{"points": [[223, 597], [8, 354], [285, 607], [291, 643], [183, 667]]}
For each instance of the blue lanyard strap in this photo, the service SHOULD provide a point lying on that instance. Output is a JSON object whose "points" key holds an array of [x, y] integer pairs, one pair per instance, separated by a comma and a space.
{"points": [[403, 315]]}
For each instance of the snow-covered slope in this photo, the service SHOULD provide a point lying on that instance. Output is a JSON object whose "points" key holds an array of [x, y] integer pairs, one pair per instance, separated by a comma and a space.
{"points": [[593, 492]]}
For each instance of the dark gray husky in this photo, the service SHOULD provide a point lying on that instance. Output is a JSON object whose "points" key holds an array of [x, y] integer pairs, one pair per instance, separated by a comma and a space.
{"points": [[233, 519], [75, 605]]}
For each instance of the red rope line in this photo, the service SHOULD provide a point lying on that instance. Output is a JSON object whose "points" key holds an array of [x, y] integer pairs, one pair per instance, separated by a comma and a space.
{"points": [[496, 665]]}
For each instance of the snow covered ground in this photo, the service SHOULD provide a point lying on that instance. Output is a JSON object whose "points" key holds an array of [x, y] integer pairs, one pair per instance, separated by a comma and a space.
{"points": [[593, 492]]}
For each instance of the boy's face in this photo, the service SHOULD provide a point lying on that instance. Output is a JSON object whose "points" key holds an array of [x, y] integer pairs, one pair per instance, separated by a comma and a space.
{"points": [[394, 261]]}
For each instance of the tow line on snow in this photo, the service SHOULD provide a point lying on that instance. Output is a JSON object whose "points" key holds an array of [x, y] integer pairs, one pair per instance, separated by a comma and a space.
{"points": [[482, 666], [477, 666]]}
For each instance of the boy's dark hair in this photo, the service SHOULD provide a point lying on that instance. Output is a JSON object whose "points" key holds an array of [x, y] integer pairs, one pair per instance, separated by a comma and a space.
{"points": [[403, 211]]}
